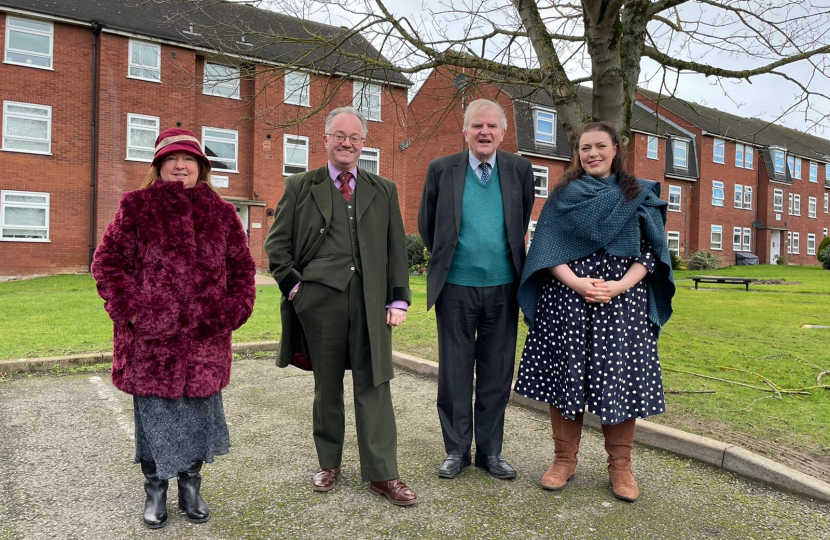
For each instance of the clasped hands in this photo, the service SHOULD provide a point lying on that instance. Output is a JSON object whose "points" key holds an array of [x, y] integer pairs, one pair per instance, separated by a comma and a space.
{"points": [[598, 290]]}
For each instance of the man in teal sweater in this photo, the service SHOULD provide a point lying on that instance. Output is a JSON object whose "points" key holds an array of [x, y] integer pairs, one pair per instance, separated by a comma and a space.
{"points": [[473, 218]]}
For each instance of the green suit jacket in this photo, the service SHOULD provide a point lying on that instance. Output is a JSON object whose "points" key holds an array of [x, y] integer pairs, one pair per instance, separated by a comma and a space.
{"points": [[300, 225]]}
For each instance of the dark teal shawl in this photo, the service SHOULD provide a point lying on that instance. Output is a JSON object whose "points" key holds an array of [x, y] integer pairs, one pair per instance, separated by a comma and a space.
{"points": [[589, 214]]}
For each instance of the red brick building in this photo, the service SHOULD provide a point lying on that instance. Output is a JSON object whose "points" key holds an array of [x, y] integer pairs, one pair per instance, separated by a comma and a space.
{"points": [[87, 85]]}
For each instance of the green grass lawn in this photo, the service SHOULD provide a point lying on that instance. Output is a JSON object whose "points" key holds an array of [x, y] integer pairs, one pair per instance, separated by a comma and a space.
{"points": [[714, 332]]}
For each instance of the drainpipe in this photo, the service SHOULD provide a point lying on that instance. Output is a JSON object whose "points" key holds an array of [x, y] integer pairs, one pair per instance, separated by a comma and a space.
{"points": [[96, 31]]}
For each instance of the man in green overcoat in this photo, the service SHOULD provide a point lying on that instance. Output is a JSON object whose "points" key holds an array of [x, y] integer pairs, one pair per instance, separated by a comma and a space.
{"points": [[338, 253]]}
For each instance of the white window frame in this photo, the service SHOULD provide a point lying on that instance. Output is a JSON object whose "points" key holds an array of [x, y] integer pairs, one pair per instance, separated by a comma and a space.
{"points": [[778, 161], [794, 166], [814, 172], [677, 145], [717, 185], [297, 95], [675, 206], [790, 204], [827, 203], [365, 88], [747, 245], [713, 244], [747, 197], [130, 128], [531, 230], [797, 168], [541, 136], [719, 151], [827, 173], [778, 200], [370, 158], [131, 65], [824, 232], [10, 27], [736, 238], [811, 244], [739, 155], [4, 205], [796, 242], [652, 147], [796, 204], [540, 173], [789, 242], [7, 115], [231, 82], [812, 207], [285, 144], [748, 157], [206, 138], [739, 196], [673, 236]]}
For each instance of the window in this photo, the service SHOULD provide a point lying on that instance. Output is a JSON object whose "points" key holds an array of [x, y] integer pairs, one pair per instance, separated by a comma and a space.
{"points": [[369, 160], [827, 203], [531, 231], [790, 204], [813, 172], [797, 168], [736, 238], [811, 244], [673, 238], [675, 193], [680, 151], [717, 193], [739, 196], [221, 80], [778, 200], [812, 207], [29, 43], [145, 61], [796, 242], [717, 237], [747, 197], [718, 152], [367, 99], [794, 165], [651, 152], [296, 88], [540, 181], [827, 174], [222, 148], [789, 241], [141, 137], [743, 156], [25, 216], [824, 232], [796, 205], [27, 128], [747, 239], [778, 160], [544, 126], [295, 152]]}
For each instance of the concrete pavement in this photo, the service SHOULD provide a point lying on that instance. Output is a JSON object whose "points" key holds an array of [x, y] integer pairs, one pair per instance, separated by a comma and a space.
{"points": [[65, 472]]}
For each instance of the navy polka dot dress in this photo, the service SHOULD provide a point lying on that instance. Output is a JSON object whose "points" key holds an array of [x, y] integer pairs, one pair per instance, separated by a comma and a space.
{"points": [[603, 356]]}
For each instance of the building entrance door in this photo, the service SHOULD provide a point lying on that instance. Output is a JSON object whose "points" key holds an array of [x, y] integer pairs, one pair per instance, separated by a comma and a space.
{"points": [[242, 212], [775, 245]]}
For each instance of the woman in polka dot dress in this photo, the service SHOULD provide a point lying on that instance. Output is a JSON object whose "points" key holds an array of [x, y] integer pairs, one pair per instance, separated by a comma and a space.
{"points": [[598, 261]]}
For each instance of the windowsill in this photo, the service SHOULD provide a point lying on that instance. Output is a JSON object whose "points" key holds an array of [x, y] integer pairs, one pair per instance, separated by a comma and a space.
{"points": [[28, 65], [26, 152], [292, 174], [157, 81], [716, 249], [545, 143], [220, 172], [718, 205], [306, 105], [34, 240], [138, 160], [221, 96], [718, 162], [653, 158], [670, 210], [541, 196]]}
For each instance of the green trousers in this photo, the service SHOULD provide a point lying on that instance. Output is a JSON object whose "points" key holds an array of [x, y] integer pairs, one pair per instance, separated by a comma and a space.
{"points": [[335, 327]]}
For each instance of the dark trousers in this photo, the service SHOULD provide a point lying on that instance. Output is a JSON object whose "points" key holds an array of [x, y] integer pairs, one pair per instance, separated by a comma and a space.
{"points": [[476, 331], [334, 323]]}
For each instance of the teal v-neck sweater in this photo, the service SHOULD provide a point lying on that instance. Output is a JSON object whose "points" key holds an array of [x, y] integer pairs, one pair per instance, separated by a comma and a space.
{"points": [[482, 256]]}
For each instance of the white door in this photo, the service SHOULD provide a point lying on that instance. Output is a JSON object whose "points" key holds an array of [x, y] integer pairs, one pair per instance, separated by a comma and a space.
{"points": [[775, 246], [242, 212]]}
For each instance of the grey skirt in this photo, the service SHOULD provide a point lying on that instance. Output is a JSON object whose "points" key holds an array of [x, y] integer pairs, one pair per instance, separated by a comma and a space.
{"points": [[176, 432]]}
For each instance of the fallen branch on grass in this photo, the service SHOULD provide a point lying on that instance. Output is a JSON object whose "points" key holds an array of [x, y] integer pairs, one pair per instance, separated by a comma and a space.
{"points": [[736, 383], [689, 392]]}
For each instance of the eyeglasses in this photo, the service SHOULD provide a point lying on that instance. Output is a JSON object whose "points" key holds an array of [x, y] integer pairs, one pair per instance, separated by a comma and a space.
{"points": [[341, 137]]}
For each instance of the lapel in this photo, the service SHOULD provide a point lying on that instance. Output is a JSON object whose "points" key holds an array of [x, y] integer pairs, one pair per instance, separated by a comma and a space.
{"points": [[459, 176], [365, 194], [321, 191], [506, 181]]}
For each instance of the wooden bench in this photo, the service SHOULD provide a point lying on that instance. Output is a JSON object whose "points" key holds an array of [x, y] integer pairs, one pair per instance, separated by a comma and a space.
{"points": [[723, 279]]}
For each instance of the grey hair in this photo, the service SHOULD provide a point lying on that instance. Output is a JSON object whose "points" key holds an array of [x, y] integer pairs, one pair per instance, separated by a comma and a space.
{"points": [[481, 105], [347, 110]]}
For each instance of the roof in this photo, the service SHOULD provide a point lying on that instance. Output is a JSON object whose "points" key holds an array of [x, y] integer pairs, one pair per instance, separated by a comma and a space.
{"points": [[227, 27]]}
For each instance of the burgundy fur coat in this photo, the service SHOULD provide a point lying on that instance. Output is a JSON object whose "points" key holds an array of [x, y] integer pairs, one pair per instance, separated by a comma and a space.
{"points": [[178, 260]]}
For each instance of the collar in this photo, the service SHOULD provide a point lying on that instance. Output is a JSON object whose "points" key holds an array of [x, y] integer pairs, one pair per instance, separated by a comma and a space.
{"points": [[475, 162], [334, 172]]}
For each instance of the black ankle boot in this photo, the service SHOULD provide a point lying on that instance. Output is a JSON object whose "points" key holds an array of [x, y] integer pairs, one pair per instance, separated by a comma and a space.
{"points": [[155, 506], [190, 501]]}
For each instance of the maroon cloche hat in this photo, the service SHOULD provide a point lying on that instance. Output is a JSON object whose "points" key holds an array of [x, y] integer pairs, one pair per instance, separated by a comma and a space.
{"points": [[178, 140]]}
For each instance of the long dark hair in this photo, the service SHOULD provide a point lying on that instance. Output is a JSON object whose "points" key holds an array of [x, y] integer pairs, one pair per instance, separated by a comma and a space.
{"points": [[627, 181]]}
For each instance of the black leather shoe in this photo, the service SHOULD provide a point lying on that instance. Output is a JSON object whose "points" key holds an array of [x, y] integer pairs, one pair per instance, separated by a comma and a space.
{"points": [[453, 465], [495, 466], [155, 505], [190, 498]]}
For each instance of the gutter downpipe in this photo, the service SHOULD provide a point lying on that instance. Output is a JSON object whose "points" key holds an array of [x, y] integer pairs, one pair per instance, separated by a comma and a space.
{"points": [[93, 182]]}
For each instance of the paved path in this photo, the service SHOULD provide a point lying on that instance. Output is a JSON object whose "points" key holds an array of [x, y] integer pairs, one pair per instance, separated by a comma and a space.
{"points": [[65, 472]]}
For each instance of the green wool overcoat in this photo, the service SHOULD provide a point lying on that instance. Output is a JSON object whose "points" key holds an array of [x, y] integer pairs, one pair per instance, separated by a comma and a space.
{"points": [[302, 219]]}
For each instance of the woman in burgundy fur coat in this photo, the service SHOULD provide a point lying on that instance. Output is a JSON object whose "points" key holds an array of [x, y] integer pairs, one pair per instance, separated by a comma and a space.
{"points": [[177, 277]]}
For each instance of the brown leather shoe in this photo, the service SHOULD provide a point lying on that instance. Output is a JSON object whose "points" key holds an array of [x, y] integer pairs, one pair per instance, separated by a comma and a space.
{"points": [[325, 479], [396, 491]]}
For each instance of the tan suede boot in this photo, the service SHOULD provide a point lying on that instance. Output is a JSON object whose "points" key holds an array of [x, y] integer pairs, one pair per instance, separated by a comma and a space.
{"points": [[566, 436], [619, 439]]}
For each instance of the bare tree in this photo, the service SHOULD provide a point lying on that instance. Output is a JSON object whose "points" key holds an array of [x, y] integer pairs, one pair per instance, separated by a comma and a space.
{"points": [[553, 46]]}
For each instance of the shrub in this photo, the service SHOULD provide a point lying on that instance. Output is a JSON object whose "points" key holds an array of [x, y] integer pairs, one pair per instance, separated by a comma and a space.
{"points": [[781, 259], [416, 254], [825, 255], [701, 260], [821, 247], [676, 262]]}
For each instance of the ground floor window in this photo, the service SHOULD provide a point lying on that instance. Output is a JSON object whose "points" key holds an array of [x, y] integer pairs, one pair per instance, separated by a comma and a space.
{"points": [[673, 238], [25, 216]]}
